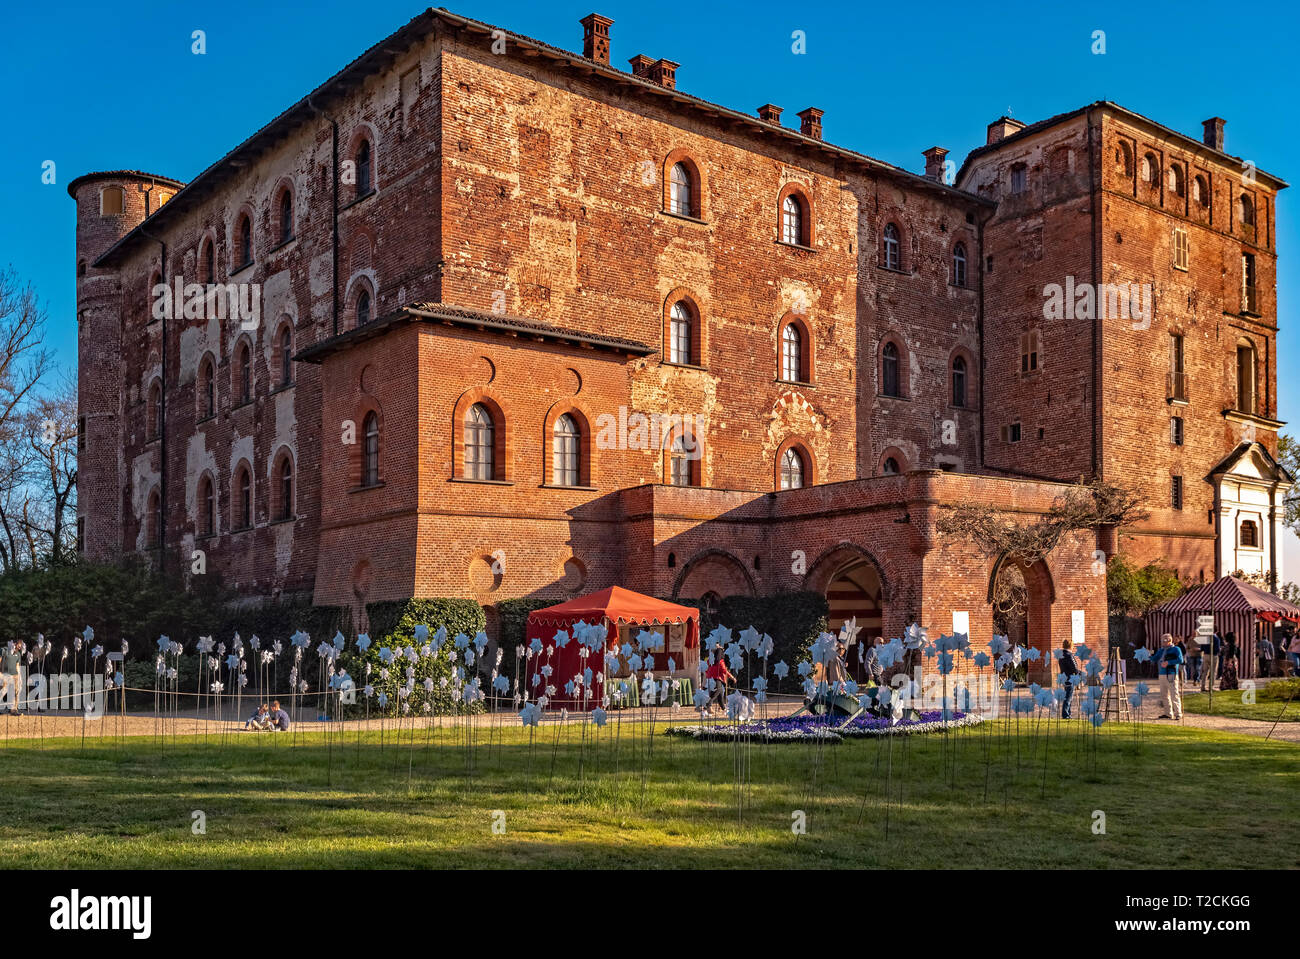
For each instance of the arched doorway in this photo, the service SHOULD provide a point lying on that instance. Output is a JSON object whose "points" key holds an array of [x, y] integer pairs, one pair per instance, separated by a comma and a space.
{"points": [[854, 587], [1020, 597]]}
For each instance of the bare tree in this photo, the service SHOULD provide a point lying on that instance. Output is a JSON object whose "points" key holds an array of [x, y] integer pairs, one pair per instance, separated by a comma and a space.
{"points": [[49, 516]]}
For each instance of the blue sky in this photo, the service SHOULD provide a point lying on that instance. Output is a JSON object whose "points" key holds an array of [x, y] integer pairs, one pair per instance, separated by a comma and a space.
{"points": [[105, 86]]}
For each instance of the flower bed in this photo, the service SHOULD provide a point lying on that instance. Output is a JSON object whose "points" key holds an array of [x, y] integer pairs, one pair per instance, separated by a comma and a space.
{"points": [[791, 729]]}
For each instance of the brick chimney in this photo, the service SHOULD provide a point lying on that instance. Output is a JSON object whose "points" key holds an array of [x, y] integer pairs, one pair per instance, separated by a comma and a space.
{"points": [[934, 163], [1213, 135], [770, 112], [641, 65], [810, 122], [595, 37], [1001, 128], [664, 73]]}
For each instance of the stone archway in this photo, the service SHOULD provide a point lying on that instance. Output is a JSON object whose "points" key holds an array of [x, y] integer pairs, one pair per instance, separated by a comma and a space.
{"points": [[854, 586], [1021, 596], [713, 571]]}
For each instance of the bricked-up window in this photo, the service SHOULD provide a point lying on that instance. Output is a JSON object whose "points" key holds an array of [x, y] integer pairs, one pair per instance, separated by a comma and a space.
{"points": [[363, 171], [370, 450], [208, 261], [244, 373], [681, 335], [1029, 347], [207, 389], [1246, 377], [890, 378], [792, 354], [244, 241], [1248, 299], [1177, 368], [154, 411], [284, 488], [243, 498], [153, 521], [1182, 253], [285, 345], [1124, 158], [1176, 492], [792, 220], [791, 469], [684, 460], [1176, 430], [890, 466], [363, 308], [112, 201], [1249, 534], [1151, 171], [1019, 178], [959, 265], [1177, 181], [1201, 191], [681, 191], [959, 381], [207, 507], [286, 215], [1246, 210], [566, 452], [892, 252], [480, 444]]}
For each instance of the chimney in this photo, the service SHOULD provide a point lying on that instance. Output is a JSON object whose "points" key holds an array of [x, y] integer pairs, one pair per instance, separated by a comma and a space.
{"points": [[664, 73], [595, 37], [641, 65], [810, 122], [770, 112], [934, 163], [1001, 128], [1214, 132]]}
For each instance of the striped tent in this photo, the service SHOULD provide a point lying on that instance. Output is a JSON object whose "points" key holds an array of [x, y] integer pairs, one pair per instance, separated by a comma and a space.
{"points": [[1238, 608]]}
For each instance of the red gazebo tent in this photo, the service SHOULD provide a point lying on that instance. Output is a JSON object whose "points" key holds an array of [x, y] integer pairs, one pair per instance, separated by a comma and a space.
{"points": [[1238, 608], [624, 614]]}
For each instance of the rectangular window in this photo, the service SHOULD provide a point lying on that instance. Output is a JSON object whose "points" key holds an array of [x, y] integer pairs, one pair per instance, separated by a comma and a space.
{"points": [[1018, 178], [1181, 249], [1029, 352], [1248, 301], [1177, 369], [81, 434], [1011, 433], [1176, 430], [1176, 493]]}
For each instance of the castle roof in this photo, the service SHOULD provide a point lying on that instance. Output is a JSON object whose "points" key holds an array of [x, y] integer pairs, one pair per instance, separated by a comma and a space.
{"points": [[76, 184]]}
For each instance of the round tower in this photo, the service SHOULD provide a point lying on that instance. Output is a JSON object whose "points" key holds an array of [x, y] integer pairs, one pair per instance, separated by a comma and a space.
{"points": [[109, 206]]}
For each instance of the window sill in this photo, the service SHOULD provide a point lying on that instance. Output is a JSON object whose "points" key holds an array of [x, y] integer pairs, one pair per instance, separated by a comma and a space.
{"points": [[890, 396], [281, 245], [795, 246], [282, 520], [684, 218], [366, 489], [282, 387], [361, 199], [243, 405], [1176, 400], [206, 537], [808, 384], [961, 286], [242, 529], [588, 489], [683, 366], [205, 419], [240, 269], [890, 269], [480, 482]]}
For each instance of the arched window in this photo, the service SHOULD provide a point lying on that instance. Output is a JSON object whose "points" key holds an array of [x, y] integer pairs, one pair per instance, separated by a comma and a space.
{"points": [[1123, 158], [370, 450], [363, 168], [1249, 534], [1177, 183], [679, 334], [791, 469], [244, 498], [792, 368], [207, 389], [890, 467], [153, 521], [1151, 170], [154, 412], [683, 456], [480, 444], [681, 199], [363, 308], [1246, 377], [244, 370], [207, 507], [1201, 191], [959, 381], [244, 239], [889, 370], [893, 252], [792, 221], [285, 479], [209, 259], [566, 452], [286, 355], [1247, 210], [959, 265], [286, 216]]}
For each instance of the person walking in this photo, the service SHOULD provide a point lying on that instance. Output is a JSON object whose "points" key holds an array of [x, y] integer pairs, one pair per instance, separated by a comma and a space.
{"points": [[1169, 662], [1069, 665], [721, 675], [1267, 653]]}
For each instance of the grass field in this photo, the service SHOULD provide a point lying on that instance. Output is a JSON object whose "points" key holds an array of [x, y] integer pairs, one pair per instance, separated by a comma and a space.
{"points": [[1268, 706], [272, 803]]}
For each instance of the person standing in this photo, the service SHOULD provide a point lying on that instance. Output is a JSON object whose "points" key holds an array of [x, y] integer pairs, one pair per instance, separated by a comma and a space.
{"points": [[11, 675], [1210, 673], [1069, 665], [1169, 661], [1267, 653], [1293, 650], [1228, 677], [1195, 653]]}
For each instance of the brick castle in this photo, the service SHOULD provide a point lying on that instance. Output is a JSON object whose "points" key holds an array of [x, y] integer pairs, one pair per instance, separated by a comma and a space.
{"points": [[481, 317]]}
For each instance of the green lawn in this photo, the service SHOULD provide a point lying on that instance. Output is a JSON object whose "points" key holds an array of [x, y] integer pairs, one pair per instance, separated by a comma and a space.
{"points": [[273, 803], [1269, 703]]}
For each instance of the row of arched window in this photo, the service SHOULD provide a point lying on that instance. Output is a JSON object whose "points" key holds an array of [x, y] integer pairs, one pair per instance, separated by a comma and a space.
{"points": [[1175, 179], [241, 500], [892, 366]]}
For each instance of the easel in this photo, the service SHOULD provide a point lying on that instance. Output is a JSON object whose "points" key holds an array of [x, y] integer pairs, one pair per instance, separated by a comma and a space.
{"points": [[1114, 701]]}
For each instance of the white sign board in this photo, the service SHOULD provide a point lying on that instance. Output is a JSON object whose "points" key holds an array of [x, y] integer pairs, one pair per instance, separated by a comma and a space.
{"points": [[960, 622], [1076, 626], [1204, 625]]}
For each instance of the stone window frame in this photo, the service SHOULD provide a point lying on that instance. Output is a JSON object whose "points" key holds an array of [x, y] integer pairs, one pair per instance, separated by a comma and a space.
{"points": [[808, 465], [503, 447], [807, 224], [699, 328], [807, 349], [580, 412]]}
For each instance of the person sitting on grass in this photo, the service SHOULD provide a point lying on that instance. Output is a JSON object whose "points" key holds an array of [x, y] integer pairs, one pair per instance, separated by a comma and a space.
{"points": [[279, 718], [260, 720]]}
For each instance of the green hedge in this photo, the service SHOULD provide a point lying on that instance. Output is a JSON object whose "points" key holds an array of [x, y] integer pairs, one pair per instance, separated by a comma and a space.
{"points": [[793, 620], [512, 615]]}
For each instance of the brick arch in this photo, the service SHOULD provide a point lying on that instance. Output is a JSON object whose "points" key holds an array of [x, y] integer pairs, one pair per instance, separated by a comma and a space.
{"points": [[281, 185], [277, 510], [904, 364], [699, 181], [581, 412], [699, 324], [207, 240], [972, 387], [243, 464], [1042, 596], [364, 130], [242, 341], [697, 463], [503, 432], [355, 285], [725, 566], [807, 358], [207, 357], [804, 450], [898, 455], [199, 514], [245, 209], [364, 406], [800, 191], [895, 219], [833, 560], [274, 360]]}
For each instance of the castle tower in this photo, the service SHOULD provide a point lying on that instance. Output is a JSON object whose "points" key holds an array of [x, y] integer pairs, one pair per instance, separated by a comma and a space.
{"points": [[109, 206]]}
